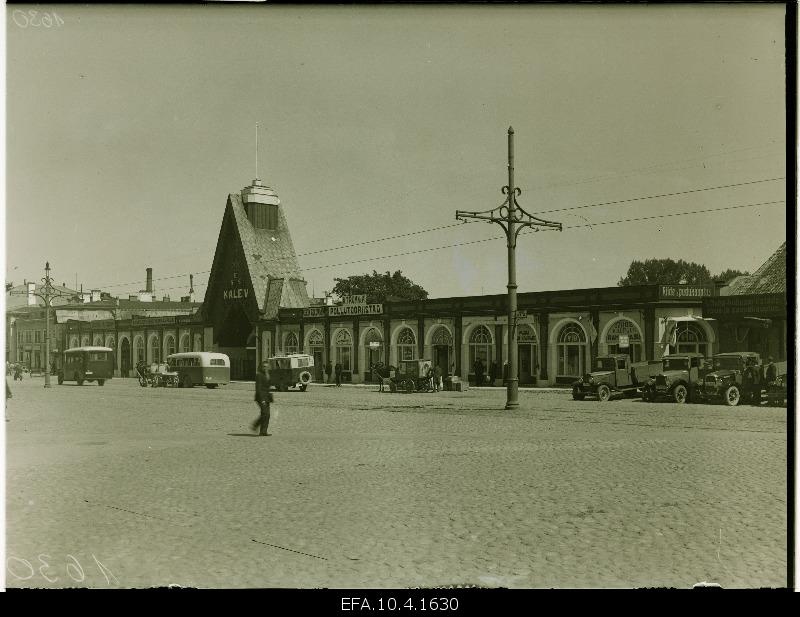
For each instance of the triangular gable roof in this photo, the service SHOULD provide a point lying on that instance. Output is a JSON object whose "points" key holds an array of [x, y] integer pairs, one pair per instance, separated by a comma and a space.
{"points": [[769, 278], [267, 255]]}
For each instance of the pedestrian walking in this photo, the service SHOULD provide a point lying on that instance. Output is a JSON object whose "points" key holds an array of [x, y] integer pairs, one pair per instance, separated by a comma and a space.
{"points": [[338, 370], [437, 378], [17, 372], [263, 398], [328, 372], [429, 377]]}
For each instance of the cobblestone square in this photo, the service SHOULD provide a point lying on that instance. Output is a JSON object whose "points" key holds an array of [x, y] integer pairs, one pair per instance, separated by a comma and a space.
{"points": [[133, 487]]}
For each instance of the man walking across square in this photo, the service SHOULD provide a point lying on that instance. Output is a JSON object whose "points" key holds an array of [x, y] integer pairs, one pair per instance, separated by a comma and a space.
{"points": [[263, 399]]}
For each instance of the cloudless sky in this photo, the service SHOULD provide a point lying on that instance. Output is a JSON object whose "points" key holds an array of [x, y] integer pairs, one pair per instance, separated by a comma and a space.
{"points": [[127, 127]]}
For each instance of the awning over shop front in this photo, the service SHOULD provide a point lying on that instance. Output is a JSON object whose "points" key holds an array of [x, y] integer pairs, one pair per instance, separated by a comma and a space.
{"points": [[757, 322]]}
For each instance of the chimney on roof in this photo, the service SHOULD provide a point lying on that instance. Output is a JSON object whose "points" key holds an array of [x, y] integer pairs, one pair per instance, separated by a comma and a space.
{"points": [[31, 298], [149, 286], [191, 288], [166, 299]]}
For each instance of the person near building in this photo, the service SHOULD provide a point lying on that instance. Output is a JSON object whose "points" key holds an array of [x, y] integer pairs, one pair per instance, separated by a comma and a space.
{"points": [[479, 372], [328, 371], [429, 377], [437, 378], [338, 370], [751, 384], [771, 372], [263, 398], [492, 372], [17, 372]]}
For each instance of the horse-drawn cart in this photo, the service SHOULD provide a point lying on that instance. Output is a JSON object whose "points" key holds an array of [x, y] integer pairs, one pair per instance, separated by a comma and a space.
{"points": [[413, 376], [156, 375]]}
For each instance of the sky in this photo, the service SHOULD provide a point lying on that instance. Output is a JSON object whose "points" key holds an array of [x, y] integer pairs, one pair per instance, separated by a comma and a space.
{"points": [[128, 126]]}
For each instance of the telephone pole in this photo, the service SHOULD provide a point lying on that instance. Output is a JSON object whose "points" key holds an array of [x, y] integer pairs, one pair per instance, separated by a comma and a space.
{"points": [[512, 218]]}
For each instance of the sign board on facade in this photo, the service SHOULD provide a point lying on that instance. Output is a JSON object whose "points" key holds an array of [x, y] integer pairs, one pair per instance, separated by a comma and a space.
{"points": [[314, 311], [773, 305], [623, 341], [681, 292], [355, 309], [343, 310], [360, 299]]}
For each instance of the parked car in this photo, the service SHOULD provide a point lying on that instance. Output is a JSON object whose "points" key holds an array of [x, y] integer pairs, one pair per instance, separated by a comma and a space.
{"points": [[87, 364], [681, 376], [291, 371], [615, 376], [724, 382]]}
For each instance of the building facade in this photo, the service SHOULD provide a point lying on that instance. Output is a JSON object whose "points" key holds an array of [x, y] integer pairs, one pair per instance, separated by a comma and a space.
{"points": [[256, 306]]}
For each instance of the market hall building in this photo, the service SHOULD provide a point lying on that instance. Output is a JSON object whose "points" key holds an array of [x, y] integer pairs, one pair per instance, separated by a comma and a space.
{"points": [[256, 306]]}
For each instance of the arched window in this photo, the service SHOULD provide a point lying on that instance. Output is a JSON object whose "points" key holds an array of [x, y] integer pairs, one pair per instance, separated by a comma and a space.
{"points": [[155, 350], [169, 345], [620, 332], [85, 340], [406, 345], [98, 340], [110, 342], [73, 342], [138, 350], [344, 349], [528, 354], [186, 343], [290, 344], [480, 347], [571, 351], [442, 336], [198, 342], [315, 339], [690, 337]]}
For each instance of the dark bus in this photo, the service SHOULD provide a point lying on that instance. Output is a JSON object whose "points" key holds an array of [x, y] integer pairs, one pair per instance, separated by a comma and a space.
{"points": [[87, 364]]}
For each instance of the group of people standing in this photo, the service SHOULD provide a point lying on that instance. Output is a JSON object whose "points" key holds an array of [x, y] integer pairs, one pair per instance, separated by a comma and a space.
{"points": [[335, 370]]}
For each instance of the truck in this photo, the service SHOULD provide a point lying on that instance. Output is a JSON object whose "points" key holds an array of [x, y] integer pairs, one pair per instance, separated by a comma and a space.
{"points": [[682, 374], [615, 376], [724, 382]]}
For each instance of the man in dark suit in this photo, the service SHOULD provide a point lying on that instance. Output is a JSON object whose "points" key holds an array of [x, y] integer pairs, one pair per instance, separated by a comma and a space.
{"points": [[263, 399]]}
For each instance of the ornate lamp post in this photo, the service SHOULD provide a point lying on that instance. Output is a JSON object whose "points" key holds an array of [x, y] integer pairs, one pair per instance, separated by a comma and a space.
{"points": [[512, 218]]}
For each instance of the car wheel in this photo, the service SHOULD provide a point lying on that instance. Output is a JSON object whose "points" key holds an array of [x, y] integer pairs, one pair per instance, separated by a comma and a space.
{"points": [[732, 396], [679, 394], [603, 393], [303, 387]]}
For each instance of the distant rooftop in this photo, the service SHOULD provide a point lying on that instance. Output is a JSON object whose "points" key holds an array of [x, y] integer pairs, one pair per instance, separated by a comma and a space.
{"points": [[769, 278]]}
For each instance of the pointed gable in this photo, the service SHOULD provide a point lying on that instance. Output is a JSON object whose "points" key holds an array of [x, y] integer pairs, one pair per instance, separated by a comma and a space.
{"points": [[250, 266]]}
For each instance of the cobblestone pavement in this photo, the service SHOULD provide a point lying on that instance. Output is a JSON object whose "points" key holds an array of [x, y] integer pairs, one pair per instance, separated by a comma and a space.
{"points": [[133, 487]]}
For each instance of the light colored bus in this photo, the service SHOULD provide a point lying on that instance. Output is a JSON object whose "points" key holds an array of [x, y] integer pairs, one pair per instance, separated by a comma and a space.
{"points": [[200, 368], [87, 364]]}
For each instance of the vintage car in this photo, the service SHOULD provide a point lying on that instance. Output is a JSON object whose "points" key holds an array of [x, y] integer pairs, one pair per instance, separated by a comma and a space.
{"points": [[724, 382], [291, 371], [615, 376], [681, 376]]}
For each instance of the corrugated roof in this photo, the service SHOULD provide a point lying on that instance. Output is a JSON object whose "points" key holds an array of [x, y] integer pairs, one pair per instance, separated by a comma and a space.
{"points": [[769, 278]]}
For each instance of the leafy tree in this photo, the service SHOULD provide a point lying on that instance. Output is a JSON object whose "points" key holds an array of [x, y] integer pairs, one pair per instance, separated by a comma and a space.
{"points": [[729, 274], [665, 272], [379, 287]]}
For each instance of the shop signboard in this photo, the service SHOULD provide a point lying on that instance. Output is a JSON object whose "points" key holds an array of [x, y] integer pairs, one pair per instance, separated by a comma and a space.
{"points": [[684, 292], [623, 341], [771, 305]]}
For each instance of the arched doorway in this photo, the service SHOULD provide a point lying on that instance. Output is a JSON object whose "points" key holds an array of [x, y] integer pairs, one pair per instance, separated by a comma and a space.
{"points": [[373, 351], [316, 346], [527, 355], [442, 347], [571, 350], [689, 337], [124, 357]]}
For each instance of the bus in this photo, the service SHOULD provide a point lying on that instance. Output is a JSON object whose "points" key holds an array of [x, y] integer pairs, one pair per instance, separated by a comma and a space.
{"points": [[200, 368], [291, 371], [87, 364]]}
